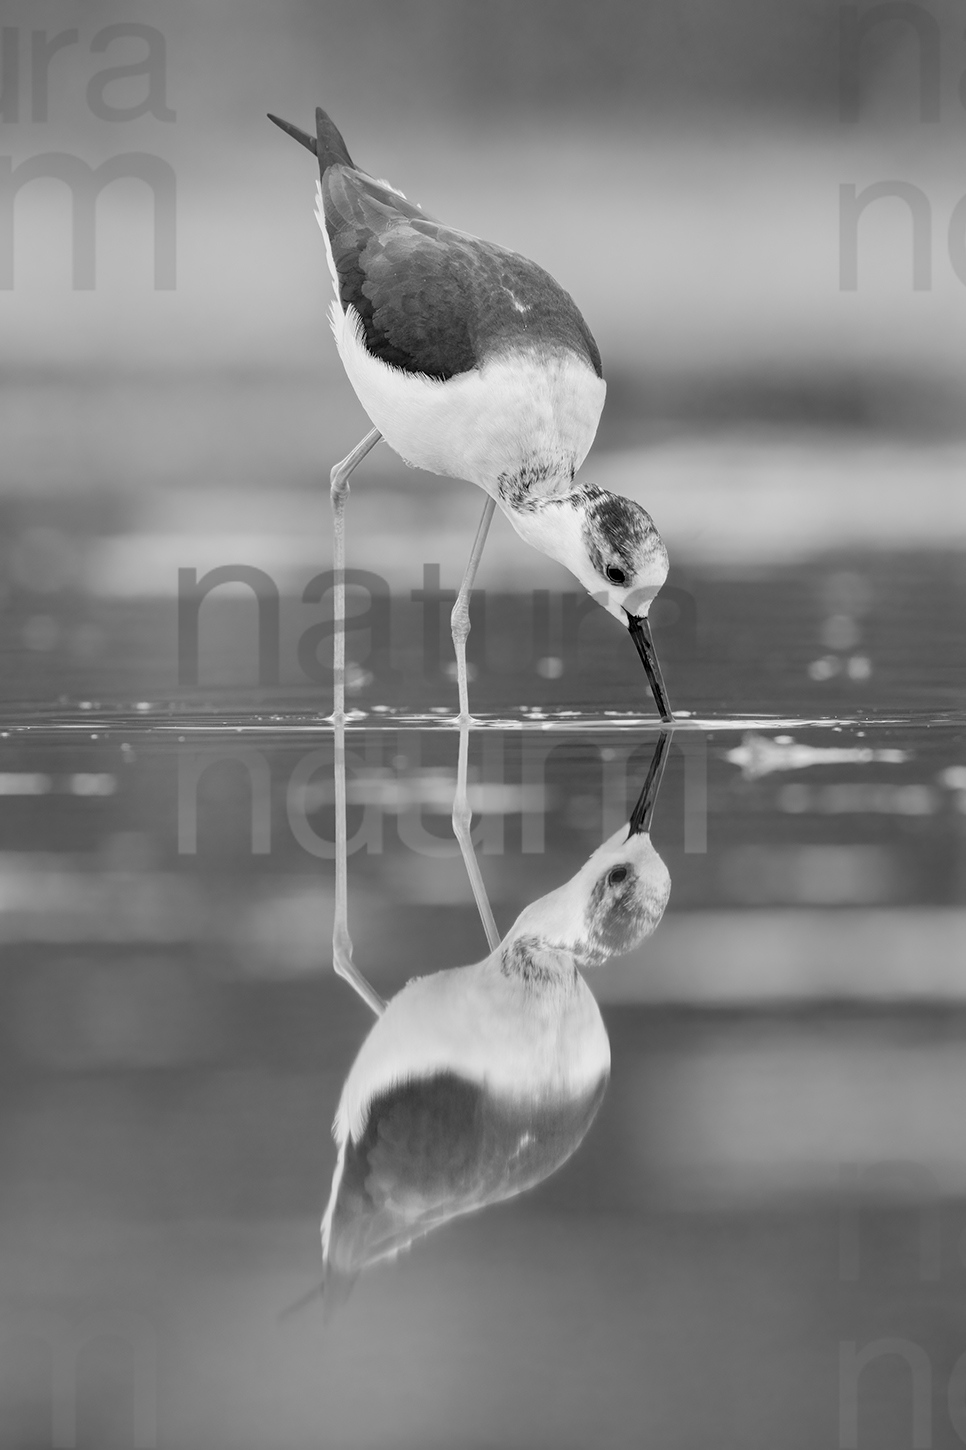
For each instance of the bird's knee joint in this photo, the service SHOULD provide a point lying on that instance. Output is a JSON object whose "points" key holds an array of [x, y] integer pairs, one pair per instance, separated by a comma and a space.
{"points": [[338, 482], [460, 622], [341, 946]]}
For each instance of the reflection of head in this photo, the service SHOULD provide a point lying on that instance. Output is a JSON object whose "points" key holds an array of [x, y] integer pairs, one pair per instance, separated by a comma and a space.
{"points": [[615, 900]]}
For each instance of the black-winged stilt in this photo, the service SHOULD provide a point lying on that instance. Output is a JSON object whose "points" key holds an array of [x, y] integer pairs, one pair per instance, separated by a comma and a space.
{"points": [[477, 1082], [471, 361]]}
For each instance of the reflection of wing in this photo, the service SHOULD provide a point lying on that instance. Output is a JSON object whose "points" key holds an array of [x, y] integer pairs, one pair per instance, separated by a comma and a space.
{"points": [[437, 1147], [433, 300]]}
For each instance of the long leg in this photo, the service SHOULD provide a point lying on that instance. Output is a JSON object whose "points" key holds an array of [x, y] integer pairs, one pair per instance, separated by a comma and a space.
{"points": [[339, 492], [460, 618], [341, 941], [462, 821], [342, 961]]}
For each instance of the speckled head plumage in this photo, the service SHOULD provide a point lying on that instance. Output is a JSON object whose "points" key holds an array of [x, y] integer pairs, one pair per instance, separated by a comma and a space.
{"points": [[611, 545], [625, 551], [627, 901], [614, 901]]}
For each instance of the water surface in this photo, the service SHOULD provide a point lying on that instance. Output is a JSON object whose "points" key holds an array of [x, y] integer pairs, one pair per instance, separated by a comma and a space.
{"points": [[175, 1040]]}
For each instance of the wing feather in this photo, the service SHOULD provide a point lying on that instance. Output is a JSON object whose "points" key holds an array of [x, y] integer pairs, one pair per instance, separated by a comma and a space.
{"points": [[437, 1148], [434, 300]]}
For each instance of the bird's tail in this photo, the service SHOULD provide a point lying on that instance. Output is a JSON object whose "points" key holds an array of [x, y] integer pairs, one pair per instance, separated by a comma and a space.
{"points": [[333, 1291], [327, 143], [332, 149]]}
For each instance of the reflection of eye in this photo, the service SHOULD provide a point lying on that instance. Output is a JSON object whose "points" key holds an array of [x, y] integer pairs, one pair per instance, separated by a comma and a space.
{"points": [[617, 875], [615, 575]]}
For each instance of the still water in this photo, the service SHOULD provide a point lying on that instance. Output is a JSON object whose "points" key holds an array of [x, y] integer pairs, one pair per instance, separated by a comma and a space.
{"points": [[773, 1171]]}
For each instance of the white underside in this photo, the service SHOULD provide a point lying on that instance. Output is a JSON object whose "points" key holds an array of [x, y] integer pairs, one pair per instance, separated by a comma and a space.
{"points": [[525, 409], [491, 1030]]}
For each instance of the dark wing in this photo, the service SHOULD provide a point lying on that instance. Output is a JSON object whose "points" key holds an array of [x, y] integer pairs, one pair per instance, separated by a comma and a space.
{"points": [[439, 1147], [433, 300]]}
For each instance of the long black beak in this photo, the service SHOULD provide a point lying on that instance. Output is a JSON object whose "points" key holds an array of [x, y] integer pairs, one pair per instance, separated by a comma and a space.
{"points": [[641, 635], [646, 801], [309, 142]]}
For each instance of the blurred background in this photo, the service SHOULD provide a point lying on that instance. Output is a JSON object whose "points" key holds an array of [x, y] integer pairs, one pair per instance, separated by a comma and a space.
{"points": [[778, 1168], [678, 168]]}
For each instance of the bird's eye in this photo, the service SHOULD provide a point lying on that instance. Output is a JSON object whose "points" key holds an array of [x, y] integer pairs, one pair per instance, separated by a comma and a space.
{"points": [[617, 875], [615, 575]]}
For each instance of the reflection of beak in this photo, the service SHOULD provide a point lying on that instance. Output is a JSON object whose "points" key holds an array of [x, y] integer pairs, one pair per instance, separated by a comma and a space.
{"points": [[304, 140], [641, 635], [646, 801]]}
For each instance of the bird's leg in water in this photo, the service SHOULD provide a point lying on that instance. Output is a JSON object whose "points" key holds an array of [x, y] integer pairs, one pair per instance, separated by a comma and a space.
{"points": [[462, 821], [460, 618], [339, 492], [342, 961]]}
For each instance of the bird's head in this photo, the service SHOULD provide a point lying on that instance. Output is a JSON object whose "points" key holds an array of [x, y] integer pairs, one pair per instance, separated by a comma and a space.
{"points": [[624, 561], [616, 899], [611, 545]]}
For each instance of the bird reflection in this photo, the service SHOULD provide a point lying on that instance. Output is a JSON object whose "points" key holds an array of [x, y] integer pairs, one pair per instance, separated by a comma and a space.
{"points": [[478, 1082]]}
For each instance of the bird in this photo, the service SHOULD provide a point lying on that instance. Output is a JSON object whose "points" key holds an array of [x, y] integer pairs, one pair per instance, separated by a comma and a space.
{"points": [[475, 1083], [471, 361]]}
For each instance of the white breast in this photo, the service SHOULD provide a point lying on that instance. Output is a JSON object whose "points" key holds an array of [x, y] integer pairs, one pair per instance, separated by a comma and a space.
{"points": [[480, 1025], [523, 408], [489, 1030]]}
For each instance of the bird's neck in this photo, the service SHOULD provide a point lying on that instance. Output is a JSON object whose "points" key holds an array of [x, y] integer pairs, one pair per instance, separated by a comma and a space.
{"points": [[538, 965], [547, 1004], [541, 479], [552, 522]]}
